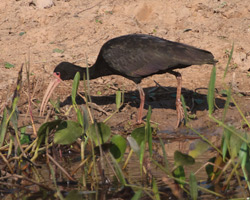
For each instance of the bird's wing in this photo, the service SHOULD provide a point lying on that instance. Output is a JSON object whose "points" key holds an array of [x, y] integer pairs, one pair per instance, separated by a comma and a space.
{"points": [[141, 57]]}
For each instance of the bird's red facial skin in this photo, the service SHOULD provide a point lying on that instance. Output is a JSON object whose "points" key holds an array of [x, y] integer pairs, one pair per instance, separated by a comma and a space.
{"points": [[57, 74]]}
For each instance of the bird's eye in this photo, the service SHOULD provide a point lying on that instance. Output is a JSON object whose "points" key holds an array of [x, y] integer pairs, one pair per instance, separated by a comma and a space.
{"points": [[57, 74]]}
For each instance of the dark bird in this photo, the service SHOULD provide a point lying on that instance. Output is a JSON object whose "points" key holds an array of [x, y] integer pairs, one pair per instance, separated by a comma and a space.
{"points": [[135, 57]]}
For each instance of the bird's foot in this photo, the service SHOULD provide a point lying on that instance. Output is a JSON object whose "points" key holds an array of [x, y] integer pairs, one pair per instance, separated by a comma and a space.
{"points": [[180, 113], [139, 122]]}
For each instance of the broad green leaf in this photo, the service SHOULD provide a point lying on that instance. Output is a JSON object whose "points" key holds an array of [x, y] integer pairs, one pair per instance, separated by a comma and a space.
{"points": [[137, 195], [134, 145], [52, 125], [198, 148], [182, 159], [139, 135], [179, 173], [99, 132], [193, 186], [3, 127], [75, 87], [211, 88], [118, 148], [67, 132]]}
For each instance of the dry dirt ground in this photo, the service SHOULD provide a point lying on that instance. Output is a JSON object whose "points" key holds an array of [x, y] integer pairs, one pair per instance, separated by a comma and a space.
{"points": [[73, 30]]}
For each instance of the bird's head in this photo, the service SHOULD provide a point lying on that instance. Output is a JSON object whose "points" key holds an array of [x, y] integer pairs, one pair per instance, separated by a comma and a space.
{"points": [[67, 70], [63, 71]]}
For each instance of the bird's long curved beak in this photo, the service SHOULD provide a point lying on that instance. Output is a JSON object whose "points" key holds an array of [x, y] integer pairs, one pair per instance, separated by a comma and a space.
{"points": [[52, 85]]}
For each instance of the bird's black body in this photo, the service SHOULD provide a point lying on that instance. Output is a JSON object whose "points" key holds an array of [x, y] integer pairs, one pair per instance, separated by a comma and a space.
{"points": [[137, 56]]}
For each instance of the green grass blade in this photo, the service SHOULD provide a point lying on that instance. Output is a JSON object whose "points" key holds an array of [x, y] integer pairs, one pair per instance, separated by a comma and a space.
{"points": [[75, 87], [241, 113], [211, 88], [184, 108], [80, 118], [243, 154], [155, 190], [3, 127], [85, 118], [164, 155], [118, 170], [229, 60], [142, 150], [137, 195], [14, 118], [193, 186], [226, 104], [182, 178], [244, 157], [149, 131], [225, 143], [230, 129], [118, 99]]}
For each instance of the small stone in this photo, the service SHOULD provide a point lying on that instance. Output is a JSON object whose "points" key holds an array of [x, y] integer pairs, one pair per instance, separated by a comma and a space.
{"points": [[43, 3]]}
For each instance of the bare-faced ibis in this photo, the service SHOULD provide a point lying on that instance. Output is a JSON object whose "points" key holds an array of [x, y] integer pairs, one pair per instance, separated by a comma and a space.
{"points": [[135, 57]]}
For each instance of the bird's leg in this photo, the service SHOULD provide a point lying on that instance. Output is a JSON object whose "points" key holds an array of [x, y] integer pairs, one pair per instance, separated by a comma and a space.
{"points": [[179, 108], [142, 101]]}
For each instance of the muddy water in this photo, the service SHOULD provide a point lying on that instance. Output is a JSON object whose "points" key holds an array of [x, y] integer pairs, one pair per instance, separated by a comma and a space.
{"points": [[133, 173], [178, 141]]}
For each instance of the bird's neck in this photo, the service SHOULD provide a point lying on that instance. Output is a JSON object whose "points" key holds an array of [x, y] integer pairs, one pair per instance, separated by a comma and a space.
{"points": [[91, 71], [99, 69], [94, 72]]}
